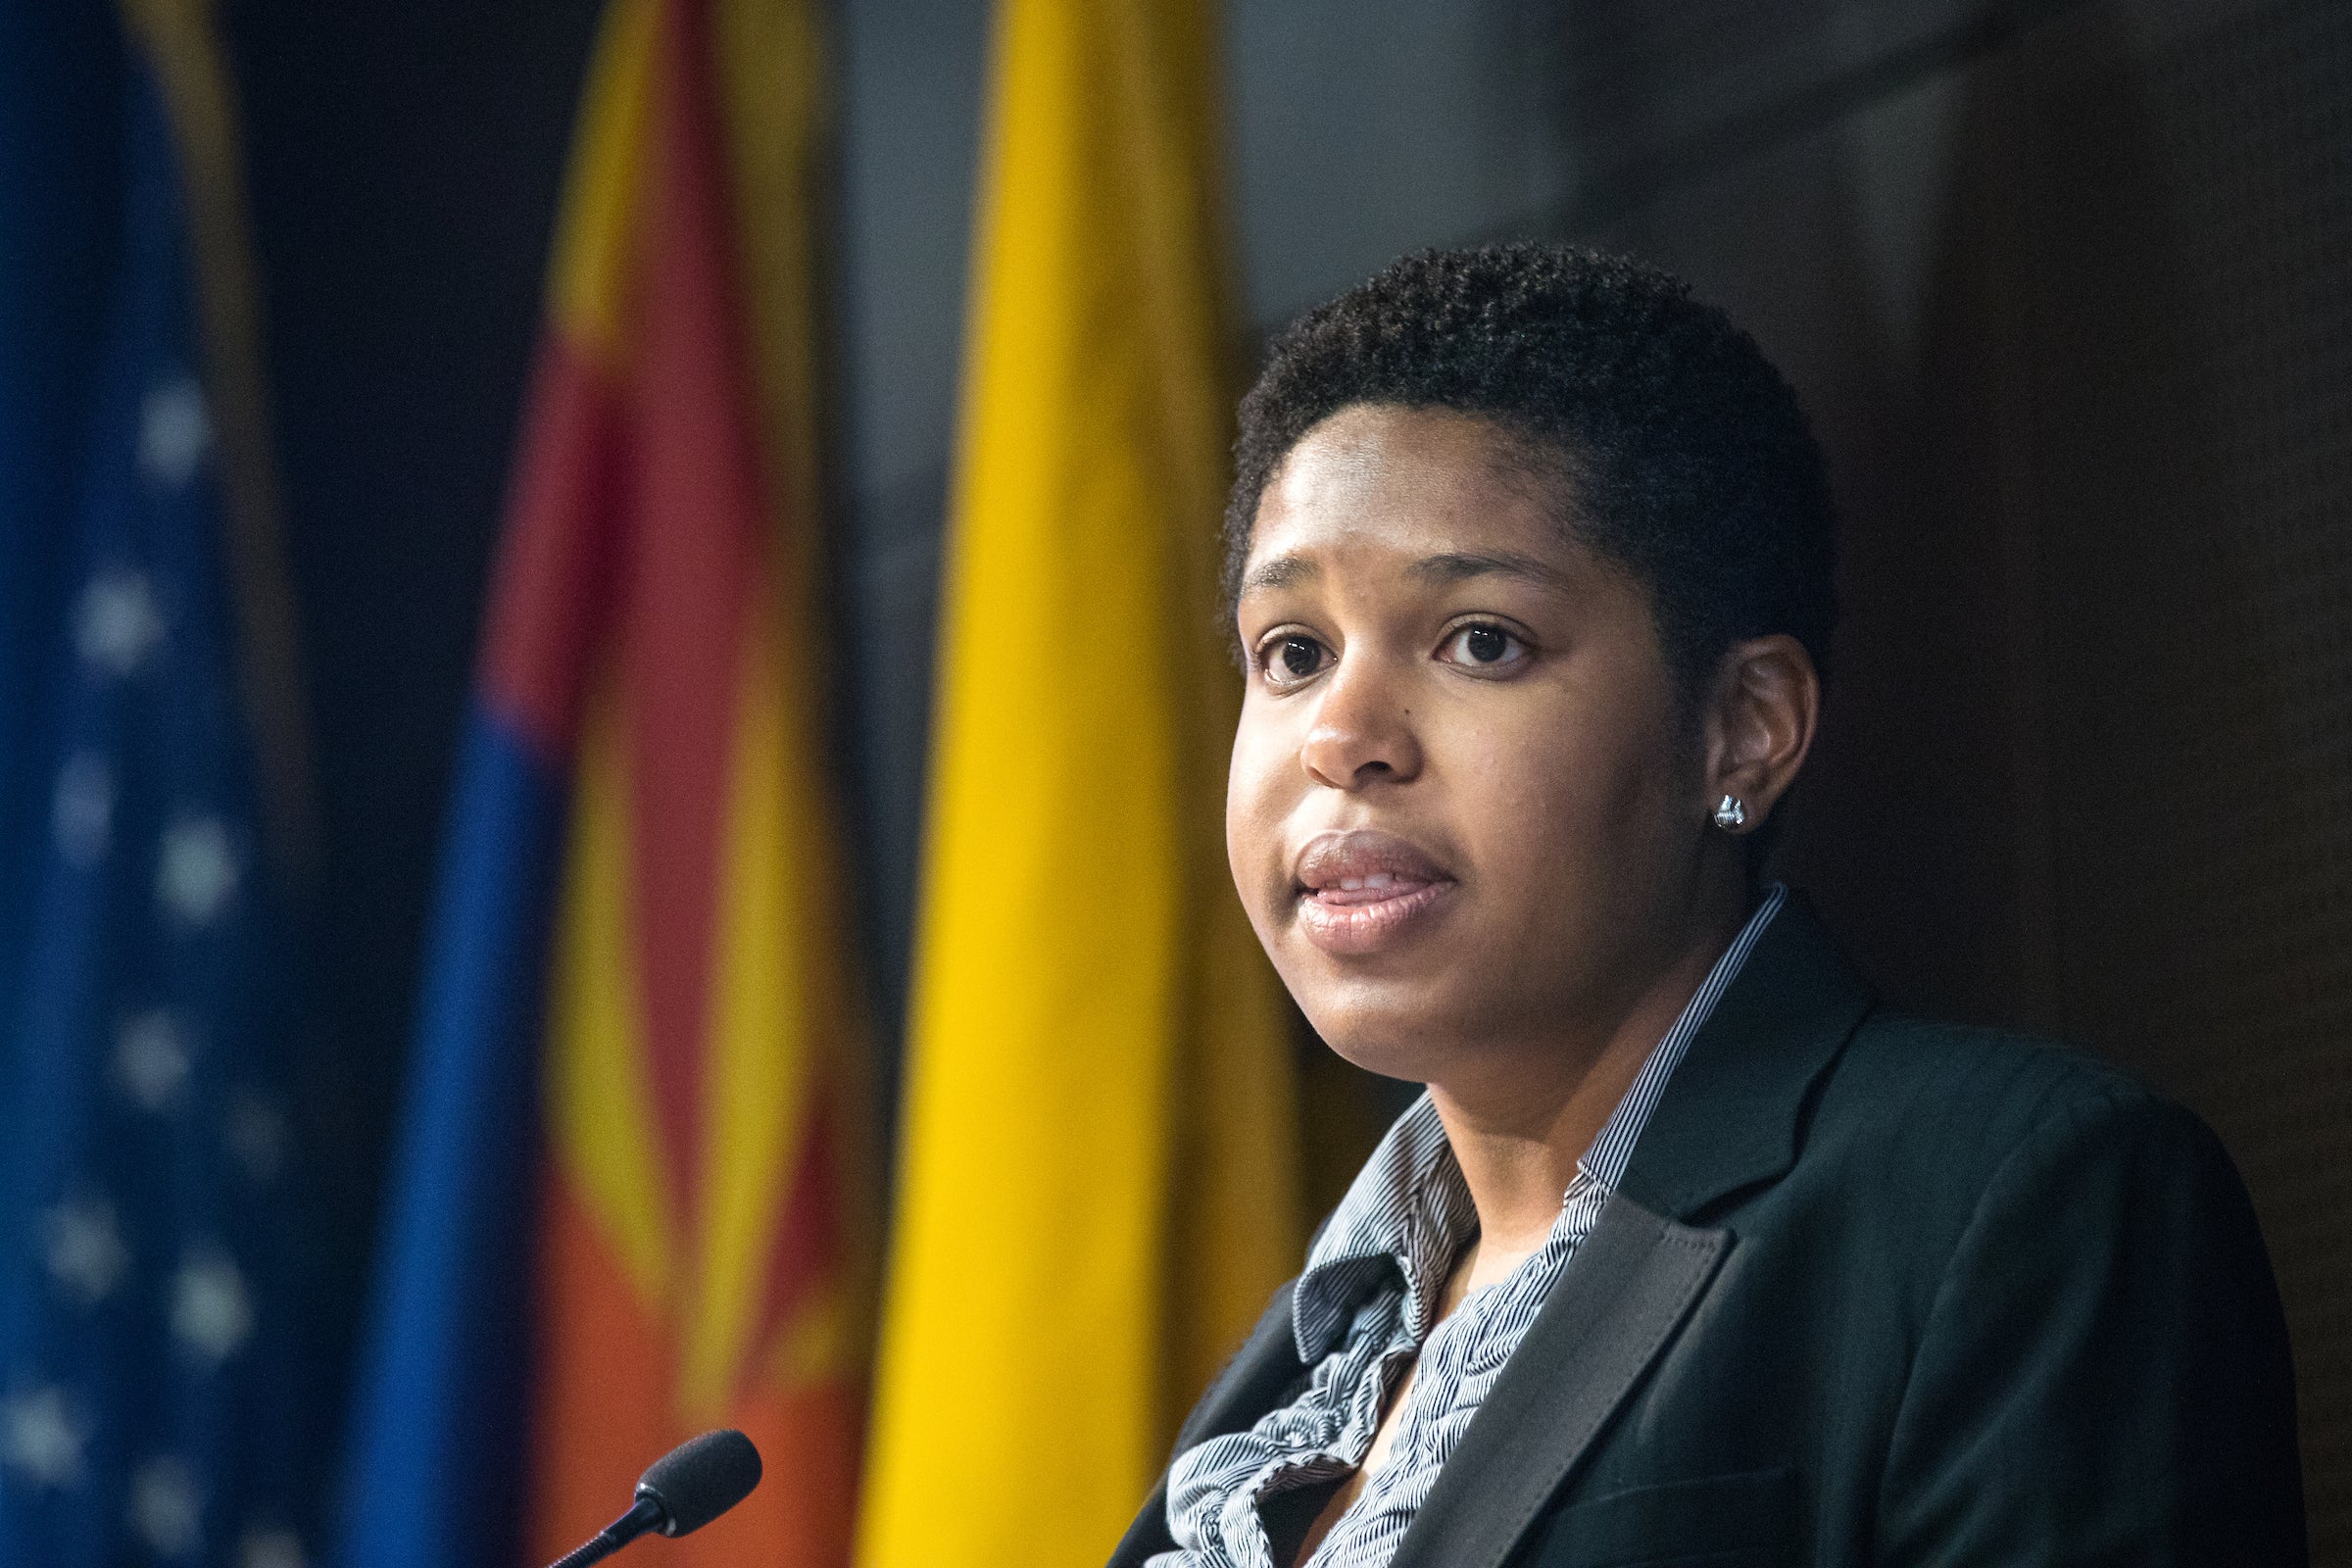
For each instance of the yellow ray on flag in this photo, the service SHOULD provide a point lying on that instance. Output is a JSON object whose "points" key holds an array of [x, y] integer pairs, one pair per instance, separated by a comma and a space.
{"points": [[1098, 1184]]}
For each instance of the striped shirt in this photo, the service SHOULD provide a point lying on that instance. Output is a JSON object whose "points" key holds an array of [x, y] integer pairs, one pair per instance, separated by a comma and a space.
{"points": [[1363, 1312]]}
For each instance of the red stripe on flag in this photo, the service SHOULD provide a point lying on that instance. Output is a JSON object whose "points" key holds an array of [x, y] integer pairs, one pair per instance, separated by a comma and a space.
{"points": [[603, 1407], [808, 1250], [695, 558], [554, 578]]}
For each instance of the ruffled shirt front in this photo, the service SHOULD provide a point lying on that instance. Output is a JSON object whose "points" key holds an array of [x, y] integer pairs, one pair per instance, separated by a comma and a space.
{"points": [[1362, 1314]]}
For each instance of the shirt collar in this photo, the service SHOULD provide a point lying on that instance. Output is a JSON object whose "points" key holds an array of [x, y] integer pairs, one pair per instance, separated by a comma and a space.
{"points": [[1408, 1212]]}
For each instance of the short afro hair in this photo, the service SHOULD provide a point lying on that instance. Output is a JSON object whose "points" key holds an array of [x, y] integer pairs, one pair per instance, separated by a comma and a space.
{"points": [[1689, 460]]}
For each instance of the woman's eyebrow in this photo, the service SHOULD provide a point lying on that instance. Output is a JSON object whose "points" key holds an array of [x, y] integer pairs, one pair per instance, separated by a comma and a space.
{"points": [[1460, 567], [1278, 572]]}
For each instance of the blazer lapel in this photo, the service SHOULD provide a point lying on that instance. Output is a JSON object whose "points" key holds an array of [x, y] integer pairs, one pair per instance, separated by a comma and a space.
{"points": [[1732, 1112], [1618, 1304], [1728, 1119]]}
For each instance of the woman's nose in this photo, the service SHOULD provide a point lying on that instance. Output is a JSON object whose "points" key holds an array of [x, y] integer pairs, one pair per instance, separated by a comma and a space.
{"points": [[1362, 731]]}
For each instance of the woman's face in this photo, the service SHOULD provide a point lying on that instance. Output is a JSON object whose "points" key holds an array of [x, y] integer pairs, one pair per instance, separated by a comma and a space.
{"points": [[1464, 814]]}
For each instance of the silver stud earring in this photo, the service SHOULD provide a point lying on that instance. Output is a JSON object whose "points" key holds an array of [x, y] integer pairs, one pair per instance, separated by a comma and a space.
{"points": [[1731, 813]]}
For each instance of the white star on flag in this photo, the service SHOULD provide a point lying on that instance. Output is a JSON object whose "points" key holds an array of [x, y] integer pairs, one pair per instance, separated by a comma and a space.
{"points": [[40, 1438], [151, 1059], [85, 1247], [211, 1310], [117, 624], [270, 1549], [197, 873], [175, 433], [166, 1507]]}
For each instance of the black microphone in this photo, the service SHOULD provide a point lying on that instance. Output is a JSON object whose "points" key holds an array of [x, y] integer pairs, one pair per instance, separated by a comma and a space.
{"points": [[683, 1491]]}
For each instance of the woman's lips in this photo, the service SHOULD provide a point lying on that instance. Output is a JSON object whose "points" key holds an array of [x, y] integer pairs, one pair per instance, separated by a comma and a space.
{"points": [[1362, 891]]}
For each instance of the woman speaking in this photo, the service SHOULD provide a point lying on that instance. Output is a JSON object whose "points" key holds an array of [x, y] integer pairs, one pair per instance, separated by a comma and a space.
{"points": [[1690, 1252]]}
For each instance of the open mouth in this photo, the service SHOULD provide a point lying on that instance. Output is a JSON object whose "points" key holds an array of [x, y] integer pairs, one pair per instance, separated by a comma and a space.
{"points": [[1362, 891]]}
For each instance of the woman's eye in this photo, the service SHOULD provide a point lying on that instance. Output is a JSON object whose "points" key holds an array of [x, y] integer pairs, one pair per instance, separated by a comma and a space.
{"points": [[1482, 648], [1293, 658]]}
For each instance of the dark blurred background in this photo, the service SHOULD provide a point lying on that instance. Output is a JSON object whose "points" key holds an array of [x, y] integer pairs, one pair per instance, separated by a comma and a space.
{"points": [[2068, 288]]}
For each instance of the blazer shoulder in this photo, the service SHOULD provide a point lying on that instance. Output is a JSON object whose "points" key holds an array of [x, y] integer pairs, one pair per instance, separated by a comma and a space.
{"points": [[1935, 1106], [1911, 1064]]}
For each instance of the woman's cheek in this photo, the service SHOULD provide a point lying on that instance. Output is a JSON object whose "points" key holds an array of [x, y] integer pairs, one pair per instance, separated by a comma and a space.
{"points": [[1253, 806]]}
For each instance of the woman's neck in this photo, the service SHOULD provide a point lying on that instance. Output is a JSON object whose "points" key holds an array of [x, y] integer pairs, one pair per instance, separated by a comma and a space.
{"points": [[1519, 1125]]}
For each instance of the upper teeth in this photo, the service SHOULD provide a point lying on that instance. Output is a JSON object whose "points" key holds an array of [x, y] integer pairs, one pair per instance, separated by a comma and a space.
{"points": [[1353, 884]]}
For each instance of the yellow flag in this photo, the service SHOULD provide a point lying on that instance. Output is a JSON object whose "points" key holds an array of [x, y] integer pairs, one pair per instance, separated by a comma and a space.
{"points": [[1099, 1185]]}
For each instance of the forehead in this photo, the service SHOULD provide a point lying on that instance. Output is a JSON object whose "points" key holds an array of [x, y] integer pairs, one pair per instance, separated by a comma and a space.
{"points": [[1418, 481]]}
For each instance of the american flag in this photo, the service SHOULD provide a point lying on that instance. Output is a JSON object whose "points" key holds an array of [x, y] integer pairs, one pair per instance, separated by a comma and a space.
{"points": [[157, 1401]]}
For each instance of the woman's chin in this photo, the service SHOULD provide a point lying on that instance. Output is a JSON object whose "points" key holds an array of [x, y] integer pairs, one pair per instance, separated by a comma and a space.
{"points": [[1380, 1042]]}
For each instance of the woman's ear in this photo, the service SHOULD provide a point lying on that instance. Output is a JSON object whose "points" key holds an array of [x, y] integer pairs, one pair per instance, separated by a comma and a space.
{"points": [[1759, 724]]}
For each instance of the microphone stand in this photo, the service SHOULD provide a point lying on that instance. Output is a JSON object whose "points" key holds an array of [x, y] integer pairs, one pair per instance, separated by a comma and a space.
{"points": [[645, 1513]]}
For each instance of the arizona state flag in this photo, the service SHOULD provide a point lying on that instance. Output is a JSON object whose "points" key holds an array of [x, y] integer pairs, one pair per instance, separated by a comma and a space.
{"points": [[1098, 1189], [639, 949]]}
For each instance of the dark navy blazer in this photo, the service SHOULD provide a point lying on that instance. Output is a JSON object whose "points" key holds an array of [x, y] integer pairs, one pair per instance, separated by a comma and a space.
{"points": [[1875, 1290]]}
